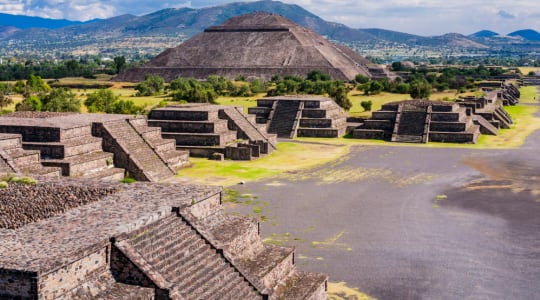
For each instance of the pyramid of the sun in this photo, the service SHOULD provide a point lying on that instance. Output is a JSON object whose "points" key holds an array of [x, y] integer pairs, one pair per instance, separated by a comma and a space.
{"points": [[254, 45]]}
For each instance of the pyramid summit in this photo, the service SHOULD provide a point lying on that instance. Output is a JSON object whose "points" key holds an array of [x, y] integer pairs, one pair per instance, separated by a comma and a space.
{"points": [[254, 45]]}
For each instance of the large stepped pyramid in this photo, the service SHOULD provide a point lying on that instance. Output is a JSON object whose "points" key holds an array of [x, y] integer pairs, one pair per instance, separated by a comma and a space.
{"points": [[259, 45], [96, 146], [151, 241], [302, 116], [205, 130], [420, 121]]}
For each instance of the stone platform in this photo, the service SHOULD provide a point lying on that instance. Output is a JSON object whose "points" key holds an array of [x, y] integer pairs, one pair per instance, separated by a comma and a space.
{"points": [[420, 121], [103, 146], [149, 241], [300, 116], [206, 130]]}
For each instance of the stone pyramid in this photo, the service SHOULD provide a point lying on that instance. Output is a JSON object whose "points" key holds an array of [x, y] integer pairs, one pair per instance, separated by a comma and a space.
{"points": [[254, 45]]}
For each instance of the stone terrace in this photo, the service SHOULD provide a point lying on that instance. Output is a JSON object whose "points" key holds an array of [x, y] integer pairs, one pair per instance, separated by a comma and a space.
{"points": [[300, 116], [420, 121], [206, 130], [153, 241], [76, 143]]}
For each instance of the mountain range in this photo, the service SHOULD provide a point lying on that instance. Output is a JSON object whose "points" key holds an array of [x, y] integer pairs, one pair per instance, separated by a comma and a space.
{"points": [[166, 28]]}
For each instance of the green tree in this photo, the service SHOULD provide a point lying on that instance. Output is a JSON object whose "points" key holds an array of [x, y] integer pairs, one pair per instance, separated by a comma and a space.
{"points": [[5, 100], [420, 89], [318, 76], [338, 91], [30, 103], [101, 101], [119, 64], [152, 85], [35, 84], [125, 107], [360, 78], [61, 100]]}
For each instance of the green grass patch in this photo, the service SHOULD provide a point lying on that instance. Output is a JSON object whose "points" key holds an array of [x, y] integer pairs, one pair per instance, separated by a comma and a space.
{"points": [[128, 180], [246, 102], [529, 94], [289, 157]]}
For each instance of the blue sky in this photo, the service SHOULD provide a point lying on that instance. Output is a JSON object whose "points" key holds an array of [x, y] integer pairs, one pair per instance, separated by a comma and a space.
{"points": [[425, 17]]}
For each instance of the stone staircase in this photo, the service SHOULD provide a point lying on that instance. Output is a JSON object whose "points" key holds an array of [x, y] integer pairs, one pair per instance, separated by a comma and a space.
{"points": [[15, 159], [285, 118], [270, 268], [410, 125], [302, 116], [420, 121], [164, 148], [247, 128], [183, 262], [134, 153]]}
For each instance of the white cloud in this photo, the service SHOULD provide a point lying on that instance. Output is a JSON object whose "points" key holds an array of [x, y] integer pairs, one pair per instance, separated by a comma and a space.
{"points": [[427, 17]]}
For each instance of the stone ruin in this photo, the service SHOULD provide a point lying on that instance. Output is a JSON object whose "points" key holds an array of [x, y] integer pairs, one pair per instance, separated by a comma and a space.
{"points": [[422, 121], [257, 45], [507, 93], [100, 240], [96, 146], [300, 116], [213, 130], [530, 80]]}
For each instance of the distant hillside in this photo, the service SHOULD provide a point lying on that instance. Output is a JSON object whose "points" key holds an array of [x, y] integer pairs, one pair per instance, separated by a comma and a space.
{"points": [[526, 34], [154, 32], [484, 34], [24, 22], [7, 31]]}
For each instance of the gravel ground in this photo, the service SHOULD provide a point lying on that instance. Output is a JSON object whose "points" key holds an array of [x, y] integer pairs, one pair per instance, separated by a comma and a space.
{"points": [[412, 222]]}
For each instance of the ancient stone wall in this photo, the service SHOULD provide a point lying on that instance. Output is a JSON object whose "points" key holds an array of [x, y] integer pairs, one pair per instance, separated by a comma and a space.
{"points": [[57, 283], [33, 134]]}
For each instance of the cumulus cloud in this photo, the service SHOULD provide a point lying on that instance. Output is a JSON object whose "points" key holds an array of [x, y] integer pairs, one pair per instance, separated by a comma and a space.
{"points": [[426, 17]]}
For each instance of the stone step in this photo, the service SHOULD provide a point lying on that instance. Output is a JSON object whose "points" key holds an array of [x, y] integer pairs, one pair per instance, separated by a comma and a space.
{"points": [[215, 287], [376, 134], [400, 138], [43, 171], [322, 132], [237, 235], [141, 155], [155, 233], [176, 159], [10, 141], [24, 159], [72, 147], [177, 246], [195, 255], [216, 126], [109, 174], [4, 167], [194, 278], [239, 289], [211, 282], [181, 114], [82, 165], [201, 139], [269, 266], [302, 285]]}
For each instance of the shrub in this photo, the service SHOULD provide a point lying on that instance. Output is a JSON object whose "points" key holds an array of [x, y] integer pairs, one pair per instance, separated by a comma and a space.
{"points": [[366, 105]]}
